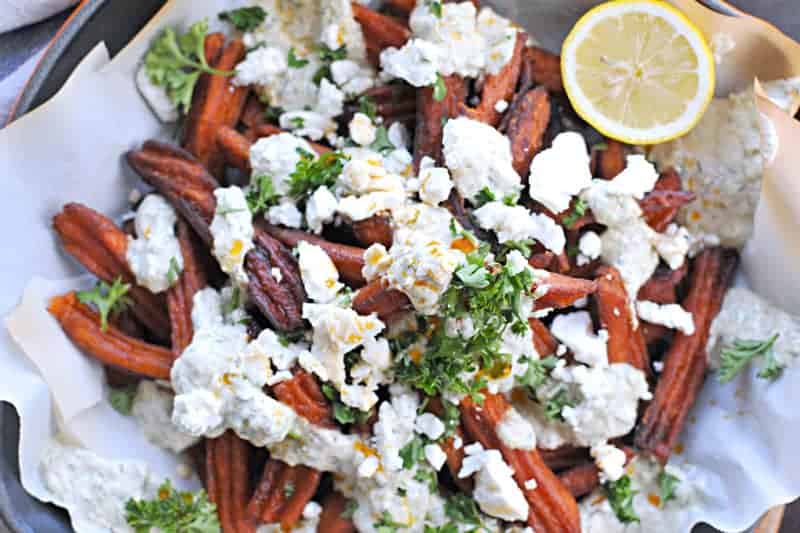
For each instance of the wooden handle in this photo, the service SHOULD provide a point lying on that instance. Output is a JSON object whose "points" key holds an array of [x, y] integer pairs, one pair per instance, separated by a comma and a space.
{"points": [[771, 521]]}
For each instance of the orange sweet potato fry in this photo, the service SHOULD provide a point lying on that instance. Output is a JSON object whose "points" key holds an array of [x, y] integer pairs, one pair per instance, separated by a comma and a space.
{"points": [[235, 148], [380, 31], [303, 394], [540, 67], [403, 6], [685, 361], [227, 481], [611, 161], [333, 519], [376, 297], [216, 102], [626, 344], [253, 112], [564, 457], [497, 87], [431, 115], [349, 260], [661, 207], [663, 285], [583, 478], [181, 295], [111, 347], [543, 340], [282, 493], [563, 290], [375, 229], [100, 246], [525, 124], [668, 180], [552, 508]]}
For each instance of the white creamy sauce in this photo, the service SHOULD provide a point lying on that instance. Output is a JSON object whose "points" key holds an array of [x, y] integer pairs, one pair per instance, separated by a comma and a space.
{"points": [[154, 255], [156, 97], [94, 490], [152, 410], [232, 231], [746, 316]]}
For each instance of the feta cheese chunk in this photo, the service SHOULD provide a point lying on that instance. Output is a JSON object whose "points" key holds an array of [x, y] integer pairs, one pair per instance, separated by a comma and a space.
{"points": [[636, 180], [156, 97], [320, 209], [590, 247], [277, 156], [479, 157], [610, 460], [435, 456], [560, 172], [516, 432], [516, 223], [496, 492], [320, 277], [672, 316], [362, 130], [285, 214], [232, 231], [429, 425], [154, 256], [416, 62], [434, 182], [152, 410], [576, 332]]}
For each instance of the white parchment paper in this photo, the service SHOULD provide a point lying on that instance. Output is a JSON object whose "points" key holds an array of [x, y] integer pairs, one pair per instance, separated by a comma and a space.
{"points": [[741, 436]]}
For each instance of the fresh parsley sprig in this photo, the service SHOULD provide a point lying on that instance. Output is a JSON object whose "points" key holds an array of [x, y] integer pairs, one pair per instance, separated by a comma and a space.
{"points": [[108, 299], [174, 271], [121, 399], [175, 62], [439, 88], [667, 484], [620, 495], [413, 452], [261, 193], [382, 144], [173, 512], [734, 358], [311, 174], [327, 56], [244, 18], [537, 372], [387, 524], [344, 414], [578, 210], [556, 404]]}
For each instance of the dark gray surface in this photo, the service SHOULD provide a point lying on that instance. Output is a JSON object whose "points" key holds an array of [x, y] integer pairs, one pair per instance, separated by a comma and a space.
{"points": [[115, 21]]}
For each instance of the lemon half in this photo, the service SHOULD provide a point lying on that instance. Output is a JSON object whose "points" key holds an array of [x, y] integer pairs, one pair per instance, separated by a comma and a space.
{"points": [[638, 71]]}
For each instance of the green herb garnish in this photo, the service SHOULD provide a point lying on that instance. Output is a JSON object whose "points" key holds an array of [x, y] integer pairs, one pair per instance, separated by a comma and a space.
{"points": [[382, 144], [734, 358], [386, 524], [556, 404], [578, 210], [328, 56], [620, 495], [121, 399], [261, 193], [108, 299], [413, 452], [439, 88], [294, 61], [311, 174], [368, 106], [537, 373], [667, 483], [173, 512], [244, 18], [344, 414], [173, 272]]}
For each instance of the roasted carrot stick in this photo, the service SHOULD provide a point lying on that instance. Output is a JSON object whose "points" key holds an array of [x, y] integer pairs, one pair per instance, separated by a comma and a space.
{"points": [[376, 297], [611, 161], [563, 291], [111, 347], [541, 67], [431, 116], [380, 31], [375, 229], [303, 394], [663, 285], [282, 493], [626, 343], [525, 124], [181, 295], [227, 482], [543, 340], [333, 519]]}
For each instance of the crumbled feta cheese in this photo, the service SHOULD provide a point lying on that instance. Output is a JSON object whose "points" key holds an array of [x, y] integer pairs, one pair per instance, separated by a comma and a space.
{"points": [[156, 97], [152, 410], [673, 245], [232, 231], [516, 223], [516, 262], [560, 172], [429, 425], [277, 156], [368, 188], [496, 492], [285, 214], [362, 130], [459, 327], [501, 38], [351, 77], [154, 251], [415, 62], [458, 442], [501, 106], [395, 426], [479, 157], [590, 246], [311, 124], [672, 316], [368, 467], [320, 209], [636, 180], [516, 432], [576, 332], [434, 182], [320, 277], [435, 456], [530, 484], [610, 460], [399, 136], [262, 66]]}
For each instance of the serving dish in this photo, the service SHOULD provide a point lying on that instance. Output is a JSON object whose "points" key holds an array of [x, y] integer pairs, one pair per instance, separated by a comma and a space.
{"points": [[78, 35]]}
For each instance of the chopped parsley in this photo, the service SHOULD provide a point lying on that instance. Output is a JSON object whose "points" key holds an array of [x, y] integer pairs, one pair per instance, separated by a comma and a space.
{"points": [[428, 476], [368, 106], [536, 375], [294, 61], [261, 193], [108, 299], [462, 509], [386, 524], [525, 247], [451, 418], [556, 404], [667, 483], [511, 199], [493, 297], [173, 512], [578, 210], [734, 358], [244, 18], [288, 490], [435, 7], [350, 509], [439, 88], [327, 56], [484, 196], [298, 122], [121, 399], [311, 174], [620, 495], [382, 144], [413, 452], [173, 272], [344, 414], [175, 63]]}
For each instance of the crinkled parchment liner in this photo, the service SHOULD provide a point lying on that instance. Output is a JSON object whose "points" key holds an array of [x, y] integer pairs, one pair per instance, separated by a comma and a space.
{"points": [[742, 436]]}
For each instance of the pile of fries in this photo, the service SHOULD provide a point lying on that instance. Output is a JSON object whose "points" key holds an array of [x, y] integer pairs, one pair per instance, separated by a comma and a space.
{"points": [[224, 120]]}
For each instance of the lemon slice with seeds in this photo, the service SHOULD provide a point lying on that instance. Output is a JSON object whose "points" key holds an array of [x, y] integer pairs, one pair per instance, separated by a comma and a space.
{"points": [[638, 71]]}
